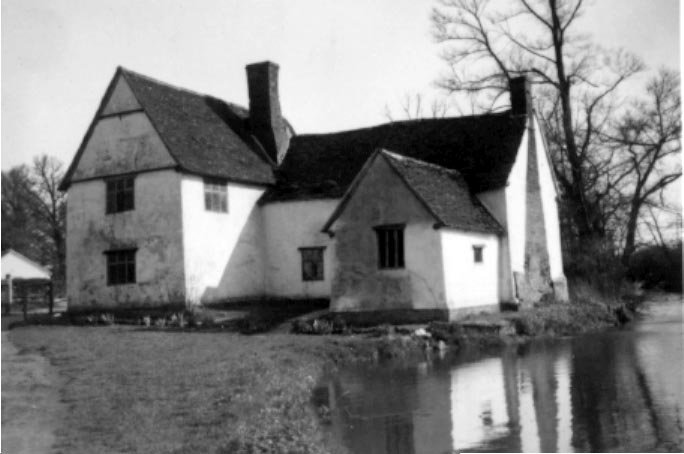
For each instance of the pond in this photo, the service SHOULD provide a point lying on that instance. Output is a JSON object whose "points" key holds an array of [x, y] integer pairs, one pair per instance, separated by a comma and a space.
{"points": [[620, 390]]}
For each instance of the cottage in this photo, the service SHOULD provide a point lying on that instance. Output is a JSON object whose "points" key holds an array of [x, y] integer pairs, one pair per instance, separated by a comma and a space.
{"points": [[178, 198]]}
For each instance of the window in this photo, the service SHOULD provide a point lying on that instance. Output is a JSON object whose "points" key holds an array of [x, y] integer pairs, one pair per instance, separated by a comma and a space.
{"points": [[121, 267], [477, 253], [312, 263], [120, 195], [215, 195], [390, 246]]}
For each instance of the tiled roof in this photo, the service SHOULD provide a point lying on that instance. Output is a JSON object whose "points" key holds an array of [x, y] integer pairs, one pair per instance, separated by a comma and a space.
{"points": [[482, 148], [445, 193], [205, 135]]}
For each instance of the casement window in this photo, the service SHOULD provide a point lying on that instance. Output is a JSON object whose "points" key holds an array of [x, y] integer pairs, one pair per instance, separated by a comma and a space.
{"points": [[120, 266], [120, 194], [390, 246], [312, 263], [215, 195], [477, 253]]}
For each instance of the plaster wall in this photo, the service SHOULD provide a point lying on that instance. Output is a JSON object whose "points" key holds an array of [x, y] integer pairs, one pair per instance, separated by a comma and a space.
{"points": [[466, 283], [516, 193], [550, 206], [359, 285], [289, 226], [122, 144], [223, 252], [153, 227], [495, 201], [121, 98], [18, 267]]}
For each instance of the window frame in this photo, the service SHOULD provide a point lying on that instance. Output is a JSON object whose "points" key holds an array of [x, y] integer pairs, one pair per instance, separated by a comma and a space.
{"points": [[478, 253], [320, 276], [120, 194], [215, 195], [118, 259], [391, 247]]}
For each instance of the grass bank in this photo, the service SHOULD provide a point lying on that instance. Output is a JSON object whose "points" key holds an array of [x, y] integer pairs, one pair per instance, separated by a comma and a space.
{"points": [[157, 390]]}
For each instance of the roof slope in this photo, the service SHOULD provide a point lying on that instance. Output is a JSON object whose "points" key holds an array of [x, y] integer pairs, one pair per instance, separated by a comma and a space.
{"points": [[445, 193], [482, 148], [204, 134]]}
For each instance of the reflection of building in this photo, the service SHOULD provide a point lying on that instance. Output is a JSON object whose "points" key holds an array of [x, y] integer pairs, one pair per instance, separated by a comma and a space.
{"points": [[502, 403], [610, 392]]}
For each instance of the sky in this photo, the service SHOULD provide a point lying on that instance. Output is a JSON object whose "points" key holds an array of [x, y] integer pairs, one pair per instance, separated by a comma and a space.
{"points": [[341, 62]]}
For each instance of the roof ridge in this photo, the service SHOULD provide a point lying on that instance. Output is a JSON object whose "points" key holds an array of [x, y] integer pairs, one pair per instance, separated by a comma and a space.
{"points": [[409, 122], [175, 87], [402, 157]]}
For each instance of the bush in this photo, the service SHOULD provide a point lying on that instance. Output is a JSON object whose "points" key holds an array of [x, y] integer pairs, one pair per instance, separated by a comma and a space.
{"points": [[657, 267]]}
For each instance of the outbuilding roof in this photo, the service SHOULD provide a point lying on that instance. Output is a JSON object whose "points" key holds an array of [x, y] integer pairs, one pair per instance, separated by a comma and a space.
{"points": [[443, 192], [482, 148]]}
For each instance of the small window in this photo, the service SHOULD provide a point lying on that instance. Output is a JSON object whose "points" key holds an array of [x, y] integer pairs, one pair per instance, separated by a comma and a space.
{"points": [[477, 254], [390, 246], [120, 195], [312, 263], [120, 267], [215, 195]]}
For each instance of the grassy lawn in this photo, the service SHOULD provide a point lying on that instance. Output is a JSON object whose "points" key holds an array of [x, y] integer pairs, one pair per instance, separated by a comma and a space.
{"points": [[126, 389]]}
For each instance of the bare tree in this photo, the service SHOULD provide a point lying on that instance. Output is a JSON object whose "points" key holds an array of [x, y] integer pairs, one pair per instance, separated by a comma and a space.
{"points": [[488, 42], [645, 144], [413, 106], [50, 208]]}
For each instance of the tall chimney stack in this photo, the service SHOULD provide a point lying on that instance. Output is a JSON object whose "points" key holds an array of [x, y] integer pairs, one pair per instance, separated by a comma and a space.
{"points": [[521, 96], [265, 119]]}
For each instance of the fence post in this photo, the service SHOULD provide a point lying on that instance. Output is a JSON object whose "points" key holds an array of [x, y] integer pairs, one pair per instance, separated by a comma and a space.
{"points": [[25, 303], [8, 279], [51, 300]]}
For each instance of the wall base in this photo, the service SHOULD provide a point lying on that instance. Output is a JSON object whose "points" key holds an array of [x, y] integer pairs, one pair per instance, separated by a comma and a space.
{"points": [[560, 290], [457, 314]]}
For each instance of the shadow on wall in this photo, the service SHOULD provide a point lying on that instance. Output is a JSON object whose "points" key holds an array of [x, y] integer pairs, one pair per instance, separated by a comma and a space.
{"points": [[242, 275]]}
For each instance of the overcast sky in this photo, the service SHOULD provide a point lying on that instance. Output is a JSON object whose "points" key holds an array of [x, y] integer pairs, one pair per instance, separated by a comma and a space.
{"points": [[341, 62]]}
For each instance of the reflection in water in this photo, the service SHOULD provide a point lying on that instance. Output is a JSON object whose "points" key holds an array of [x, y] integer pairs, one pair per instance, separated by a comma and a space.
{"points": [[617, 391]]}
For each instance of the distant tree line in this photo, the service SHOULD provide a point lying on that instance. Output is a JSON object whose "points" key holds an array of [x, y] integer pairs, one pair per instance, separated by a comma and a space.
{"points": [[34, 214]]}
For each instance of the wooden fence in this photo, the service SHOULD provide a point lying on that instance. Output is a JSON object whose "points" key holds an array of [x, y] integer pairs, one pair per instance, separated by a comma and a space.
{"points": [[28, 294]]}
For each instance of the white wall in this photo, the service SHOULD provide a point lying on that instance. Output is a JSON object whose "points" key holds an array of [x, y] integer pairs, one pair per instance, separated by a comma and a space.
{"points": [[19, 267], [223, 251], [289, 226], [467, 283], [550, 207], [154, 227], [122, 144], [516, 196], [383, 198], [121, 98]]}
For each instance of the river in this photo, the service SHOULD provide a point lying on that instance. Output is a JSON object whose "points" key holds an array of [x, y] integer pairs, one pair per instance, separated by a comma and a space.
{"points": [[620, 390]]}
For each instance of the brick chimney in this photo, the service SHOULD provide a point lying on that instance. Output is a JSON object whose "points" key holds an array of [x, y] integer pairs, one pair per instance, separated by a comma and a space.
{"points": [[521, 96], [265, 119]]}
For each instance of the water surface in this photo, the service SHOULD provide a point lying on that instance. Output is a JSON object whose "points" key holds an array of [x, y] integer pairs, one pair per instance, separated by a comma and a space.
{"points": [[620, 390]]}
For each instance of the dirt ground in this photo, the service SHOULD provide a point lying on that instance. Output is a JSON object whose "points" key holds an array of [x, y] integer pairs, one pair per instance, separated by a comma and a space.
{"points": [[30, 401]]}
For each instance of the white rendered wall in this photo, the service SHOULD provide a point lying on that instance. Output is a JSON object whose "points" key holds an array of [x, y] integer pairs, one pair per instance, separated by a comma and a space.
{"points": [[516, 196], [153, 227], [223, 252], [19, 267], [121, 98], [550, 207], [122, 144], [467, 283], [289, 226], [383, 198]]}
